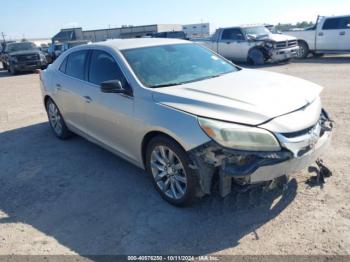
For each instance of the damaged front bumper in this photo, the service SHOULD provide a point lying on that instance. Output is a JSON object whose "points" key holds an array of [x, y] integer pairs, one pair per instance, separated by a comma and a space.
{"points": [[284, 54], [299, 150]]}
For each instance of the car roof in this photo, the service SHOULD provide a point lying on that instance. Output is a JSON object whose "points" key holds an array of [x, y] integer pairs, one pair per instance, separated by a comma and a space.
{"points": [[122, 44]]}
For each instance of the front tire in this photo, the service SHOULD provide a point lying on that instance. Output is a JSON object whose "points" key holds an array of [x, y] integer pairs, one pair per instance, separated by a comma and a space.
{"points": [[256, 57], [303, 51], [168, 164], [12, 70], [56, 120]]}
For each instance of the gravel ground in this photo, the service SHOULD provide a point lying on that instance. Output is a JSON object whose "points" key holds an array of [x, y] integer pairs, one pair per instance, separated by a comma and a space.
{"points": [[73, 197]]}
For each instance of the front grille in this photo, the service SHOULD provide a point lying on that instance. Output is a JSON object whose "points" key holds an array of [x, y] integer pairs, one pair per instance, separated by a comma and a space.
{"points": [[25, 58], [299, 133], [280, 45], [286, 44], [292, 43]]}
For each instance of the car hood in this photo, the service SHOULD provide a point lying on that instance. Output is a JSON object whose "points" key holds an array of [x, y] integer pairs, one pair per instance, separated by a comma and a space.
{"points": [[276, 37], [25, 52], [248, 96]]}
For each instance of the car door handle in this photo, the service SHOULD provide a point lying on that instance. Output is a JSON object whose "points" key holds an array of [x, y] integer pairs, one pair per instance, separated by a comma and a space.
{"points": [[320, 34], [342, 33], [88, 99], [59, 87]]}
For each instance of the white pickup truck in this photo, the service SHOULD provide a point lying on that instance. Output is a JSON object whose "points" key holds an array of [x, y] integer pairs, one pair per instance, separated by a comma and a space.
{"points": [[252, 44], [330, 35]]}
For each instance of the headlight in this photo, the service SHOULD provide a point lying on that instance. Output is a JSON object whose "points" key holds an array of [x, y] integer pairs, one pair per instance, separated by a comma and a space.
{"points": [[42, 57], [239, 137], [269, 44]]}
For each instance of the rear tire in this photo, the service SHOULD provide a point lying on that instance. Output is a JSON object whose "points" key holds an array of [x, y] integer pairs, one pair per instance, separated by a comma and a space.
{"points": [[168, 164], [303, 51], [56, 120]]}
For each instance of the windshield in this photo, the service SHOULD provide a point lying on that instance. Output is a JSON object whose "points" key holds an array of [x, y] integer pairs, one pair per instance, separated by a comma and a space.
{"points": [[175, 64], [21, 47], [256, 30]]}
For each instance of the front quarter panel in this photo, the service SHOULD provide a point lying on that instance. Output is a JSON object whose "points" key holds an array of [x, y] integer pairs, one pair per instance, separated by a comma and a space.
{"points": [[155, 117]]}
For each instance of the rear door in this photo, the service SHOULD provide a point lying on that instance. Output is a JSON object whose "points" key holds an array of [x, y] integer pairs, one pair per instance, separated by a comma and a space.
{"points": [[109, 116], [344, 35], [330, 35], [70, 86], [233, 45]]}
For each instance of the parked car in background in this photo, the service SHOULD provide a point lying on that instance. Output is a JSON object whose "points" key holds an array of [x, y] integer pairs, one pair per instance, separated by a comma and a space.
{"points": [[22, 56], [252, 44], [185, 114], [171, 34], [55, 50], [330, 35], [45, 49]]}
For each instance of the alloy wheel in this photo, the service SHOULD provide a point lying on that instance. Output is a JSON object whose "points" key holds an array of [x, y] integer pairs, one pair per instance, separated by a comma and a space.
{"points": [[168, 172], [55, 118]]}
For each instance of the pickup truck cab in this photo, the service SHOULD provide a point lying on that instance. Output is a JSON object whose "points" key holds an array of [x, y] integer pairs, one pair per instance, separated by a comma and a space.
{"points": [[252, 44], [330, 35]]}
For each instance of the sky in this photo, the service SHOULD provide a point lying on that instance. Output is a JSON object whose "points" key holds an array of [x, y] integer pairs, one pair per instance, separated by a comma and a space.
{"points": [[44, 18]]}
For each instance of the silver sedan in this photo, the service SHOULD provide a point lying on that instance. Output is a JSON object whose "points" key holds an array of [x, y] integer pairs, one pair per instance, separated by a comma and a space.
{"points": [[185, 114]]}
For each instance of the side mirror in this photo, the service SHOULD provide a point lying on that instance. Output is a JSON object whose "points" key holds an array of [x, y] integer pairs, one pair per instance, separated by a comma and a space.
{"points": [[114, 87]]}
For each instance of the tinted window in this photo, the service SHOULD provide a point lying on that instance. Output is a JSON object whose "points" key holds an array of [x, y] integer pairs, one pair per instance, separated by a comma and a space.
{"points": [[63, 65], [345, 23], [103, 68], [76, 64], [232, 34], [332, 23]]}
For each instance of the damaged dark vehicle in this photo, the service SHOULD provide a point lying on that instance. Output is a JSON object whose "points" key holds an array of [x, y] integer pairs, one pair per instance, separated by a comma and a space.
{"points": [[186, 115], [252, 44]]}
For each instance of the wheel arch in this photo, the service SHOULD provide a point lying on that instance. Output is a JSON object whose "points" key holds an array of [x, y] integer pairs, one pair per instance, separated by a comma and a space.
{"points": [[147, 139], [46, 98], [304, 42]]}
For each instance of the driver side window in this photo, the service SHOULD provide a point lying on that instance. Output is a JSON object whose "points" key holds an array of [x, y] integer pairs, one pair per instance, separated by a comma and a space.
{"points": [[103, 68], [233, 34]]}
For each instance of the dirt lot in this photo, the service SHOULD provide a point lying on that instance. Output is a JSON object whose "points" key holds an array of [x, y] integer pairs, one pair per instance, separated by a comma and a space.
{"points": [[75, 198]]}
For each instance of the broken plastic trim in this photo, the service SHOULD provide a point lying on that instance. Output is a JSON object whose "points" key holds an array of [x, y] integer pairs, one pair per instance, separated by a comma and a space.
{"points": [[212, 158], [238, 165]]}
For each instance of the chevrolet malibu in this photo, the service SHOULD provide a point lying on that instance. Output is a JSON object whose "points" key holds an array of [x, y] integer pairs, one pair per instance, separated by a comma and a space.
{"points": [[185, 114]]}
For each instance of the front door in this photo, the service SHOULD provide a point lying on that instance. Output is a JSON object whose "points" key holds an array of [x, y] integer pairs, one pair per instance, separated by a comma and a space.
{"points": [[70, 89], [233, 45], [109, 116], [330, 35]]}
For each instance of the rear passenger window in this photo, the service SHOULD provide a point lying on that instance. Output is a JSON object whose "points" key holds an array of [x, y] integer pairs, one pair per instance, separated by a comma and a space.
{"points": [[76, 64], [332, 23], [103, 68], [63, 65], [345, 23]]}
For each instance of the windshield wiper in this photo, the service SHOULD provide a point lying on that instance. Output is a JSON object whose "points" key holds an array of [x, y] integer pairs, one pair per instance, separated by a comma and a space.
{"points": [[165, 85], [190, 81]]}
